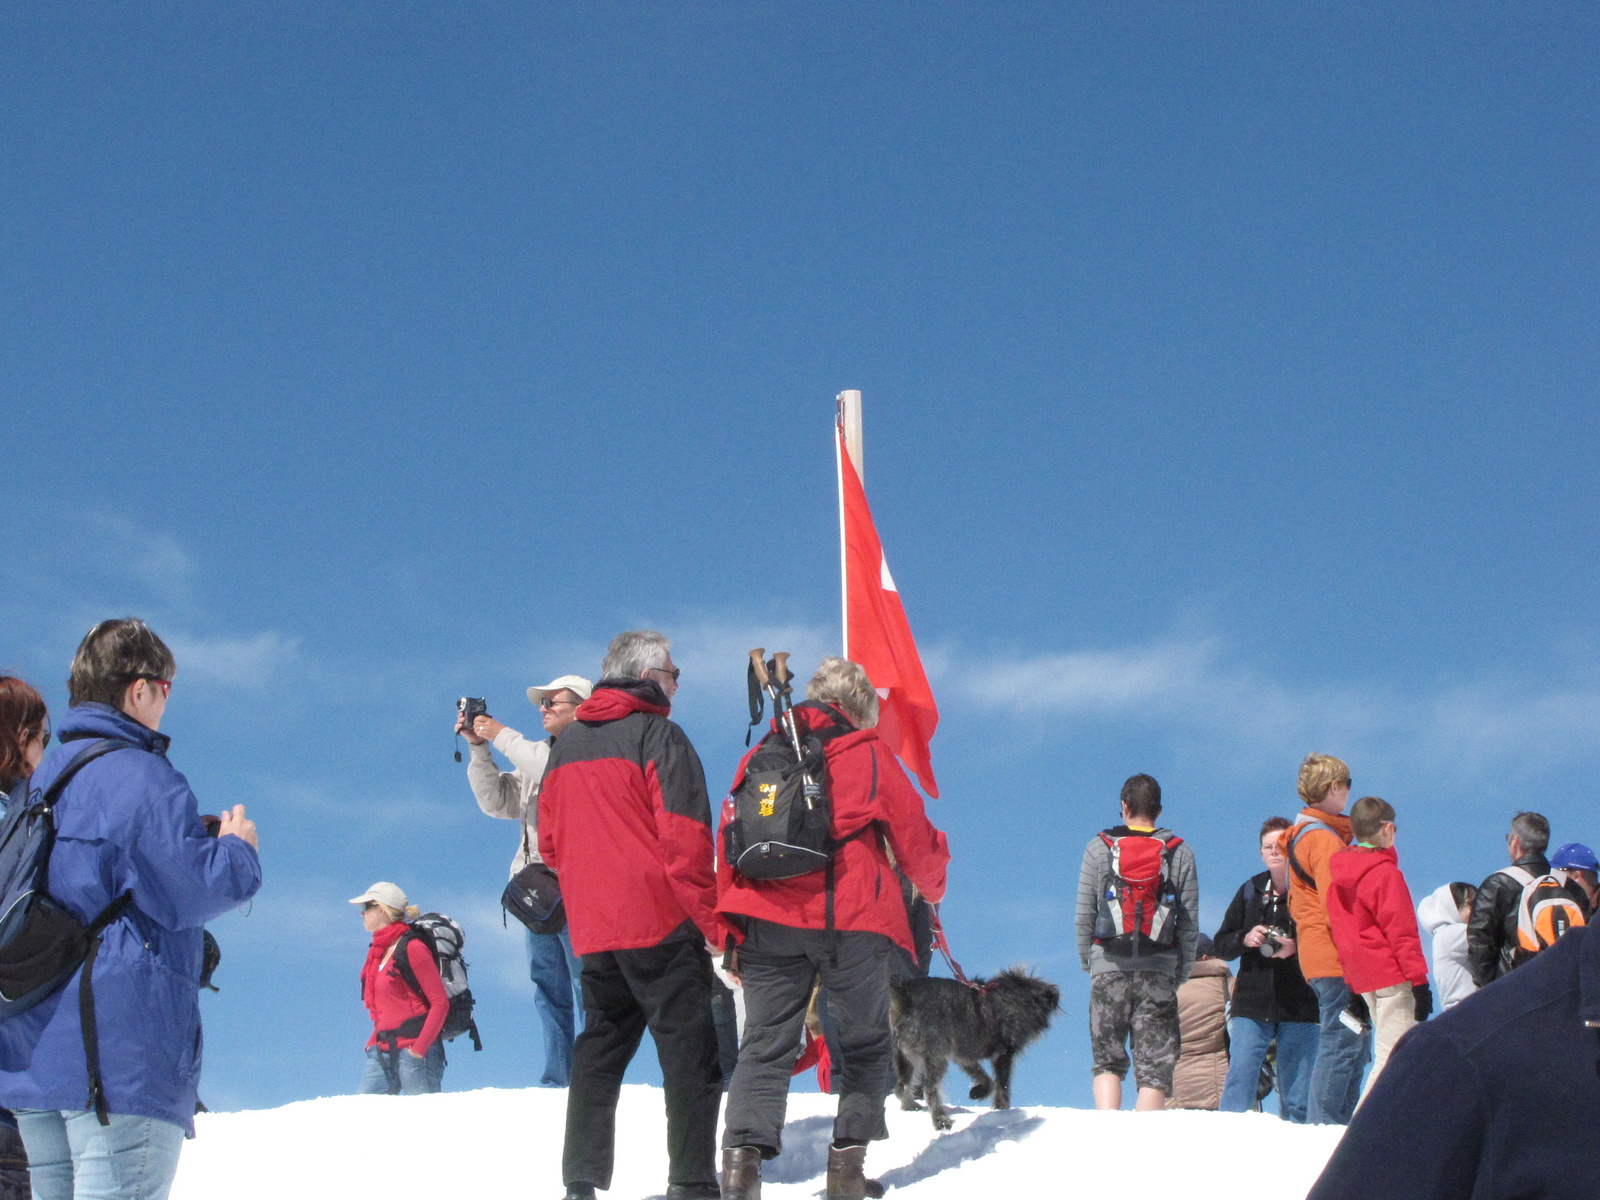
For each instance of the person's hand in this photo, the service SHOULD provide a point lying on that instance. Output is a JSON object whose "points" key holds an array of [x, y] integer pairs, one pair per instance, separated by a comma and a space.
{"points": [[461, 728], [487, 729], [1287, 949], [234, 823], [1357, 1008], [1255, 937], [414, 1054], [1422, 995]]}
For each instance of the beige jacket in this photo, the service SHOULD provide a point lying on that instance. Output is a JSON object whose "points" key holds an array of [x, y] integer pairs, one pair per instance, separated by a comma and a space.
{"points": [[1202, 1024], [512, 795]]}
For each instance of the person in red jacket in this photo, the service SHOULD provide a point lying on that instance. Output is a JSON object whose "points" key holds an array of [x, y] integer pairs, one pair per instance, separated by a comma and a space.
{"points": [[1374, 926], [784, 946], [625, 821], [405, 1055]]}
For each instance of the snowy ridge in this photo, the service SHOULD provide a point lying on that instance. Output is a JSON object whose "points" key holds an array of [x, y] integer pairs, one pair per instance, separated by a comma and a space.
{"points": [[507, 1143]]}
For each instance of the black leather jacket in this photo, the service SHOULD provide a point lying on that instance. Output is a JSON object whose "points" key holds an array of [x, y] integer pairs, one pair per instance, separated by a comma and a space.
{"points": [[1492, 931]]}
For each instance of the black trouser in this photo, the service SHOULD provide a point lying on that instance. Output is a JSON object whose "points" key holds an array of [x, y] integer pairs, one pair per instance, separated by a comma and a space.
{"points": [[667, 988], [779, 964]]}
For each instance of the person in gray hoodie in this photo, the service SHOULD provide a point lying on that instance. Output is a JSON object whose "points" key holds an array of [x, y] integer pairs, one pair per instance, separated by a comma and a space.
{"points": [[1134, 979], [1443, 914]]}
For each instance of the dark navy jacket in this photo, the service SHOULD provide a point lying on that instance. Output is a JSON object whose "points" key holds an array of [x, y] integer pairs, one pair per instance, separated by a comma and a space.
{"points": [[128, 821], [1495, 1099]]}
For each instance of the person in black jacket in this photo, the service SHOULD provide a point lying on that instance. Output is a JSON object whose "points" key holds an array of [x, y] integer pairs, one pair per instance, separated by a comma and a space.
{"points": [[1490, 1099], [1492, 931], [1271, 999]]}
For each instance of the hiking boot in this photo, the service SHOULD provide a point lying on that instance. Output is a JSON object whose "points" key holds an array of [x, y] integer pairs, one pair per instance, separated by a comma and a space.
{"points": [[847, 1179], [693, 1191], [741, 1173], [580, 1191]]}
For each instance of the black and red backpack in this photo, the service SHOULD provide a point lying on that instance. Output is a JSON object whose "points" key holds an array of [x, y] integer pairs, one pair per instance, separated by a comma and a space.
{"points": [[1137, 912]]}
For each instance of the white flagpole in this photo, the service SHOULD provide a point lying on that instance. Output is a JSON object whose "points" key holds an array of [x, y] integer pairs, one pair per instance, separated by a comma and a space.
{"points": [[849, 419]]}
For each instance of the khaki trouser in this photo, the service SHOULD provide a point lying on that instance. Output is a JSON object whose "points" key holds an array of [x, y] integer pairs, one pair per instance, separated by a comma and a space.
{"points": [[1394, 1010]]}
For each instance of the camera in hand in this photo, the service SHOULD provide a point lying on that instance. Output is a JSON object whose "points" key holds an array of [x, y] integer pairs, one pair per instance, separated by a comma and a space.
{"points": [[1272, 941], [471, 708]]}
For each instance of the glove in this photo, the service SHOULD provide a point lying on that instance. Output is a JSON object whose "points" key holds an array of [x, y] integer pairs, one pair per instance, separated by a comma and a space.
{"points": [[1357, 1008], [1423, 995]]}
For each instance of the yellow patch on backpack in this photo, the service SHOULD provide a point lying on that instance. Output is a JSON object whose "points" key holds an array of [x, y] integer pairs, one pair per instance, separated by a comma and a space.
{"points": [[769, 798]]}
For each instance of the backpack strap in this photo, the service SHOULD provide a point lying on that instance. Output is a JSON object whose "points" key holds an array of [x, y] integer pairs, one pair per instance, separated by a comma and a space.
{"points": [[1300, 872], [402, 961], [86, 1015], [1522, 875]]}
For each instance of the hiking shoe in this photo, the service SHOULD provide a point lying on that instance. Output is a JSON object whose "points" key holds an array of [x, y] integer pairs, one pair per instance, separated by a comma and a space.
{"points": [[694, 1191], [847, 1179], [580, 1191], [741, 1173]]}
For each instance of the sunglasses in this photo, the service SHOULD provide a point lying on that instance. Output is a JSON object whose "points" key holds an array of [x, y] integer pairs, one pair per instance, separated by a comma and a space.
{"points": [[674, 672], [551, 702], [164, 684]]}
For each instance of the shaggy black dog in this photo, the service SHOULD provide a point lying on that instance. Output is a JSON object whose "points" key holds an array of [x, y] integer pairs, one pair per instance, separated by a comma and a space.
{"points": [[936, 1020]]}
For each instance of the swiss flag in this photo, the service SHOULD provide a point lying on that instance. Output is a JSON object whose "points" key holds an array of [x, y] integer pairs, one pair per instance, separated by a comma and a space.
{"points": [[878, 636]]}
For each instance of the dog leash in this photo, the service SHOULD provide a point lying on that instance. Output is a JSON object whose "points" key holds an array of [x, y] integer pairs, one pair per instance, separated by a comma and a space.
{"points": [[942, 944]]}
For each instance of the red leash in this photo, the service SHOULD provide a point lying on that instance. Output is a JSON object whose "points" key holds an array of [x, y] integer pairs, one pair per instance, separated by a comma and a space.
{"points": [[942, 944]]}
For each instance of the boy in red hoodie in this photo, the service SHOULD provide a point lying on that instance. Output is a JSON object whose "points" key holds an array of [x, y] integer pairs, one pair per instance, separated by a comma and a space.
{"points": [[1374, 926]]}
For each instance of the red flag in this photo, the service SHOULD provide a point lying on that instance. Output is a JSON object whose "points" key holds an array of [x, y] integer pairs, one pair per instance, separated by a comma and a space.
{"points": [[877, 634]]}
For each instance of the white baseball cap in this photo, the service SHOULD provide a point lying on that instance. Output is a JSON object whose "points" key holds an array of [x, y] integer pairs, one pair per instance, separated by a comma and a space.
{"points": [[576, 684], [386, 894]]}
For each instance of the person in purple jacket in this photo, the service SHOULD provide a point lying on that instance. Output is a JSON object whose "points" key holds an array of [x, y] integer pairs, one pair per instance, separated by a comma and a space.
{"points": [[126, 823]]}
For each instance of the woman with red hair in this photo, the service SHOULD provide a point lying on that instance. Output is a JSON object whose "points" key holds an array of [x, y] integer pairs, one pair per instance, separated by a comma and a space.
{"points": [[24, 732]]}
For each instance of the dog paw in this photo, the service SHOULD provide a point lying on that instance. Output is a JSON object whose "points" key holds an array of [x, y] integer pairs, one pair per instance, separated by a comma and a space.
{"points": [[909, 1105], [980, 1091], [942, 1121]]}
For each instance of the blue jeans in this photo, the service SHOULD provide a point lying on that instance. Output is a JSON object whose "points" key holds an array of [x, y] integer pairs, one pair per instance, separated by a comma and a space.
{"points": [[1336, 1079], [1248, 1040], [554, 970], [402, 1073], [73, 1157]]}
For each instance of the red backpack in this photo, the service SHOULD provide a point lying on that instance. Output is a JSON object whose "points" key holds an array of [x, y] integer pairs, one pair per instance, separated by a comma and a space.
{"points": [[1137, 910]]}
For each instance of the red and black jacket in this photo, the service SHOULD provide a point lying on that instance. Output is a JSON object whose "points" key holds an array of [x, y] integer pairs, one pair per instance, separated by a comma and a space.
{"points": [[874, 805], [625, 821]]}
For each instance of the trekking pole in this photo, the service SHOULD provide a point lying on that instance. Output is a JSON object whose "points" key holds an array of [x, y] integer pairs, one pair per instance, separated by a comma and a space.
{"points": [[780, 667]]}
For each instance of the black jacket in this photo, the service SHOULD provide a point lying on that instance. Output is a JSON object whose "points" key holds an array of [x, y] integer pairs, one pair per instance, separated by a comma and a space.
{"points": [[1494, 1099], [1492, 931], [1268, 989]]}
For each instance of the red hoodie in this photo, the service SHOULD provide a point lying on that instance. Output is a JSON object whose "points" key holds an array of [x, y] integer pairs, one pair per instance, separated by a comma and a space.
{"points": [[1373, 921], [390, 999], [624, 820], [866, 785]]}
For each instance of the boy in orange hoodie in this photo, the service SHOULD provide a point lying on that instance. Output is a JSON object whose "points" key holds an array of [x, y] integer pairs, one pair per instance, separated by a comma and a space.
{"points": [[1375, 928]]}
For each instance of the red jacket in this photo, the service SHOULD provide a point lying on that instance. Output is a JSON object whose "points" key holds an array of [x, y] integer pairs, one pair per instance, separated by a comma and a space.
{"points": [[390, 999], [866, 785], [625, 821], [1373, 921]]}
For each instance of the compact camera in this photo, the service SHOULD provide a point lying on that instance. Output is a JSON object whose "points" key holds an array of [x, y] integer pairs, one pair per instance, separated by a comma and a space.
{"points": [[471, 708], [1272, 941]]}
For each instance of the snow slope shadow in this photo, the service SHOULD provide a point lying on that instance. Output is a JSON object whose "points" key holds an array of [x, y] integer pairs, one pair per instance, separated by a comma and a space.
{"points": [[805, 1151], [953, 1149]]}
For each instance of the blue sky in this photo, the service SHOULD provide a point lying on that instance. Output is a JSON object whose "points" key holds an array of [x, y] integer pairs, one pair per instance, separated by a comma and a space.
{"points": [[1229, 376]]}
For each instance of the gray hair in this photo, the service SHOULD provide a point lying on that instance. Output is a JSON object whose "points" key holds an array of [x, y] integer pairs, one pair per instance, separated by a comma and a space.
{"points": [[845, 685], [634, 652], [1532, 830]]}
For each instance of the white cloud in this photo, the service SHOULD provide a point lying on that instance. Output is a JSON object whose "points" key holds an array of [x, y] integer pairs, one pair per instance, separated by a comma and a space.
{"points": [[252, 661]]}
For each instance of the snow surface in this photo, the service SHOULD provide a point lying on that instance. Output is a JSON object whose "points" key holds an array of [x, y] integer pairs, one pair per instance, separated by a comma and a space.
{"points": [[507, 1143]]}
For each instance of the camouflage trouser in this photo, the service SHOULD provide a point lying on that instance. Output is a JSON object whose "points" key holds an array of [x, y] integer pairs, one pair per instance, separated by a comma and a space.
{"points": [[1145, 1004]]}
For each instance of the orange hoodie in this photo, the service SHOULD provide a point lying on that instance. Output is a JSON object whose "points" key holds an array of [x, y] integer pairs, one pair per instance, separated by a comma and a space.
{"points": [[1319, 959]]}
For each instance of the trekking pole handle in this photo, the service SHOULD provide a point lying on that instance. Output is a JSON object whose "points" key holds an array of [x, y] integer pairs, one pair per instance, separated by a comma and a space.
{"points": [[780, 667], [759, 666]]}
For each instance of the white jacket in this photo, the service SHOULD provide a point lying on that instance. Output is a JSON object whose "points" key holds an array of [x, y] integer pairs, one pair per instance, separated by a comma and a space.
{"points": [[1438, 915], [513, 795]]}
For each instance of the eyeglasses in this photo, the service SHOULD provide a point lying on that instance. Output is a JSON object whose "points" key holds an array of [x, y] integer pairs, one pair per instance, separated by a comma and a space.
{"points": [[672, 671], [164, 684], [43, 734], [369, 904], [551, 702]]}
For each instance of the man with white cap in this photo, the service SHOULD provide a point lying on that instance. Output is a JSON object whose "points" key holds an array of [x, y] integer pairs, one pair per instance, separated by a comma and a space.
{"points": [[514, 796]]}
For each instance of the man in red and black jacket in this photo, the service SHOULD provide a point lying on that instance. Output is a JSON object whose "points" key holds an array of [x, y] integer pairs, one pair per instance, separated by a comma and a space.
{"points": [[625, 821]]}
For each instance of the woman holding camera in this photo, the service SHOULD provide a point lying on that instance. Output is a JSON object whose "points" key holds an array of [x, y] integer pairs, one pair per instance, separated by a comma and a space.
{"points": [[1271, 1000], [407, 1000]]}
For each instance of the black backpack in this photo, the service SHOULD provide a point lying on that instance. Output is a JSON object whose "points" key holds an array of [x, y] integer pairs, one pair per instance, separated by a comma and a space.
{"points": [[42, 943], [444, 939]]}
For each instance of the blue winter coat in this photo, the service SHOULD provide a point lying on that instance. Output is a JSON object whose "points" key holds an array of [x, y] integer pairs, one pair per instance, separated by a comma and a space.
{"points": [[1495, 1099], [127, 822]]}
